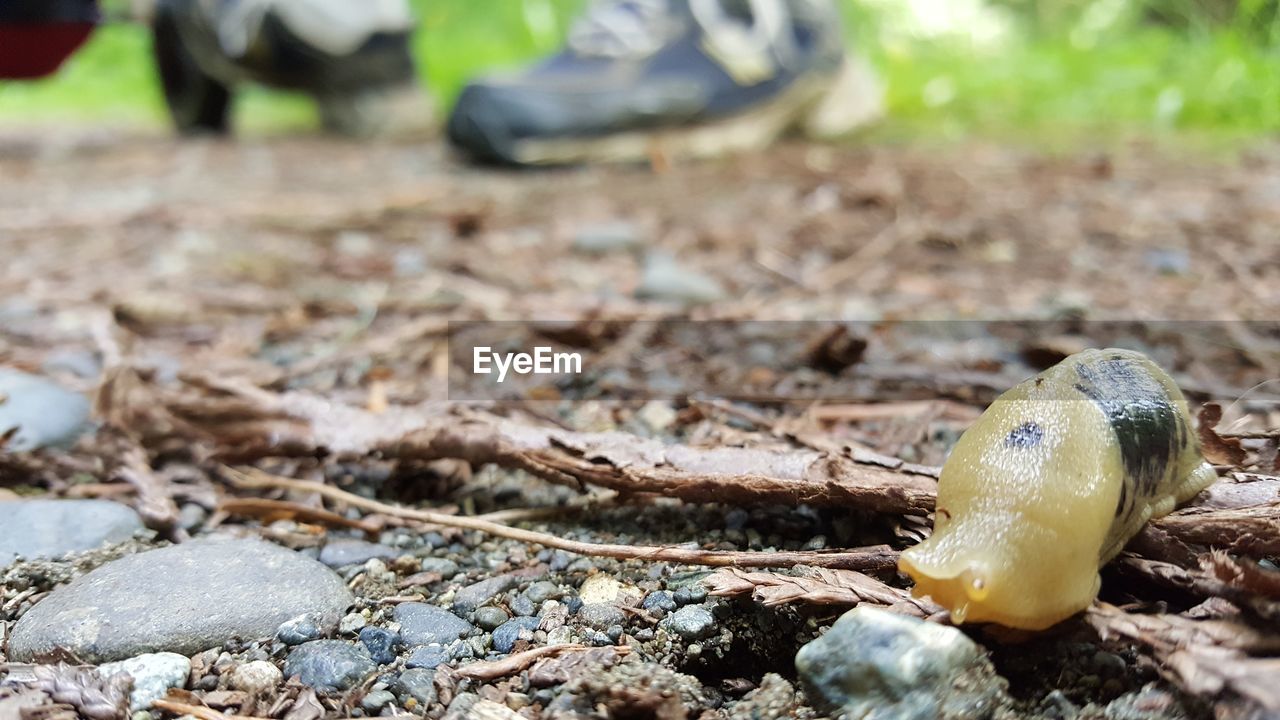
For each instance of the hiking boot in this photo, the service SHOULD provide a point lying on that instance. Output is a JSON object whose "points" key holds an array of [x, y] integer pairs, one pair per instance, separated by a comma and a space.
{"points": [[36, 36], [354, 58], [682, 78]]}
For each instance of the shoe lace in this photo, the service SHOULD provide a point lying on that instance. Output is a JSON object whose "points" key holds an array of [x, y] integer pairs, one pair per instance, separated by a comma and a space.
{"points": [[621, 29]]}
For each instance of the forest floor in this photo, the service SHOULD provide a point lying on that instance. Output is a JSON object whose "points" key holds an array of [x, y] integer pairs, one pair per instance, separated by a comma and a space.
{"points": [[284, 306]]}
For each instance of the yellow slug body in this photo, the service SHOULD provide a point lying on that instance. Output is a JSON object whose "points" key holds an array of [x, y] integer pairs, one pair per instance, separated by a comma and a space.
{"points": [[1050, 483]]}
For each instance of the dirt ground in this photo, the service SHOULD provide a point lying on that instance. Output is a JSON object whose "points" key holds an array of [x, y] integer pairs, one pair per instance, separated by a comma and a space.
{"points": [[328, 268]]}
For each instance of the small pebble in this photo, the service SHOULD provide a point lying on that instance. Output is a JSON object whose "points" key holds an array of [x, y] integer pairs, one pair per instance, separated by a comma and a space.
{"points": [[542, 591], [690, 594], [303, 628], [153, 675], [474, 595], [658, 603], [601, 615], [422, 624], [489, 617], [256, 678], [522, 605], [380, 643], [419, 684], [428, 656], [505, 637], [329, 665], [446, 568], [376, 700], [691, 622], [351, 623]]}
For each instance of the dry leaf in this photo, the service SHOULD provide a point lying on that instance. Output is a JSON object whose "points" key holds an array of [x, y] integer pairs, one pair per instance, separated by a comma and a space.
{"points": [[1217, 449]]}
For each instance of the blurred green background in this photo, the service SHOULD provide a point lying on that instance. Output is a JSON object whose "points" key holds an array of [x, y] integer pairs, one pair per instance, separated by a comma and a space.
{"points": [[1058, 72]]}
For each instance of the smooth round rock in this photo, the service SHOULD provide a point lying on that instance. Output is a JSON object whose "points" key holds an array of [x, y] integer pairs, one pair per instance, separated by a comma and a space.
{"points": [[877, 664], [185, 599], [153, 675], [601, 615], [489, 617], [35, 529], [329, 665], [44, 413], [422, 624], [349, 551], [691, 622], [256, 678]]}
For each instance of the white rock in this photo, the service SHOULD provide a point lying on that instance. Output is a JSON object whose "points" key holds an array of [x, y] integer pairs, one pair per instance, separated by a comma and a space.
{"points": [[153, 674], [256, 678]]}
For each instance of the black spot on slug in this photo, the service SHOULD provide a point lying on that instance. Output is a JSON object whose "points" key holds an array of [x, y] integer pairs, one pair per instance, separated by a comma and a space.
{"points": [[1026, 435], [1124, 495], [1147, 425]]}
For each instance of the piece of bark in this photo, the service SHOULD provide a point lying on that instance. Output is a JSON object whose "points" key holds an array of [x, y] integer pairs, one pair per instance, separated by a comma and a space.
{"points": [[817, 586], [1205, 657]]}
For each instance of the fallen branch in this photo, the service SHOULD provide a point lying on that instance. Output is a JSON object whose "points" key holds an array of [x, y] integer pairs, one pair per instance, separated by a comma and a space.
{"points": [[197, 711], [302, 424], [517, 662], [877, 557], [269, 510]]}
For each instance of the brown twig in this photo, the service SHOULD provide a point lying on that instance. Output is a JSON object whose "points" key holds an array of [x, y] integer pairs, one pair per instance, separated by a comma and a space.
{"points": [[878, 557], [275, 509], [198, 711], [516, 662]]}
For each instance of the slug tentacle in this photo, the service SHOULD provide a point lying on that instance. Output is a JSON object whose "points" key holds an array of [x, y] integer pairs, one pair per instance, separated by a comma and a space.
{"points": [[1054, 478]]}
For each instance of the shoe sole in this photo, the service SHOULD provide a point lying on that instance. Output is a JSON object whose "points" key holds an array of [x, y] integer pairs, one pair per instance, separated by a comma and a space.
{"points": [[815, 107]]}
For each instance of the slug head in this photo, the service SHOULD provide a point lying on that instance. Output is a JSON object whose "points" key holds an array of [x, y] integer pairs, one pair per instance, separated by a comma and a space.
{"points": [[991, 569]]}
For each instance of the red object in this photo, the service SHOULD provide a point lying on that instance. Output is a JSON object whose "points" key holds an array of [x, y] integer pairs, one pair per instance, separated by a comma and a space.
{"points": [[33, 50]]}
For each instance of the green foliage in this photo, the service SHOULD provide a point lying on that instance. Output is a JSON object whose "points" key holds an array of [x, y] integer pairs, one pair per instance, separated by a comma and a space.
{"points": [[1069, 72]]}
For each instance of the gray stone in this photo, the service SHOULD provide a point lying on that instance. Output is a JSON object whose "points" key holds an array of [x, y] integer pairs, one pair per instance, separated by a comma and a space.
{"points": [[658, 602], [606, 238], [419, 684], [422, 624], [329, 665], [44, 413], [152, 674], [381, 644], [474, 595], [601, 615], [428, 656], [489, 617], [351, 623], [376, 700], [445, 567], [691, 622], [303, 628], [667, 280], [49, 528], [183, 599], [522, 605], [542, 591], [338, 553], [256, 678], [875, 664], [505, 637]]}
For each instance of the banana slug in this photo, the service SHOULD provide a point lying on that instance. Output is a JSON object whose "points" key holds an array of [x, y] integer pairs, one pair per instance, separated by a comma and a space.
{"points": [[1050, 483]]}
